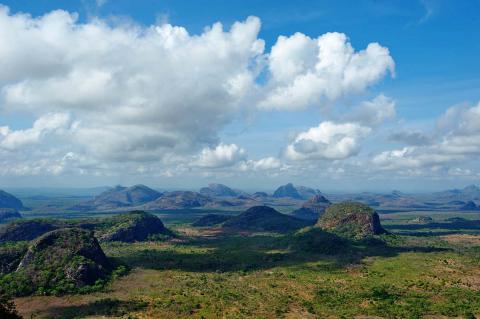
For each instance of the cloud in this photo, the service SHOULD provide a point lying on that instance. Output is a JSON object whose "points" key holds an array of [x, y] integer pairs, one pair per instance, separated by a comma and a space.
{"points": [[138, 92], [113, 95], [223, 155], [457, 140], [306, 71], [415, 138], [373, 113], [263, 164], [329, 140], [42, 127]]}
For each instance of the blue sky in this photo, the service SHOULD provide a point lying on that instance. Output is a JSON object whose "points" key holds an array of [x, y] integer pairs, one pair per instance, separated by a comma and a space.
{"points": [[435, 48]]}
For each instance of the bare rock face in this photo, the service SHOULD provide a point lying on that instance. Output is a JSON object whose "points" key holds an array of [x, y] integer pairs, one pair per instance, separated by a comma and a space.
{"points": [[134, 226], [69, 255], [351, 219]]}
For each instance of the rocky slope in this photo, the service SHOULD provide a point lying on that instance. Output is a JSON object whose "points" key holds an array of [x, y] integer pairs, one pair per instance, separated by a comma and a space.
{"points": [[64, 259], [351, 219]]}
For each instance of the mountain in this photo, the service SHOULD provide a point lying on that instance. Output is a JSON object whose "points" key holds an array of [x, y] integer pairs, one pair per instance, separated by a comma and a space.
{"points": [[312, 208], [351, 220], [8, 214], [63, 260], [120, 196], [264, 218], [470, 205], [469, 193], [259, 195], [178, 200], [25, 230], [218, 190], [9, 201], [307, 192], [287, 190], [131, 227]]}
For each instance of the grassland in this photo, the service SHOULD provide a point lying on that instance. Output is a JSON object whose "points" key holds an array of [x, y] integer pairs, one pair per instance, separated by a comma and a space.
{"points": [[430, 270]]}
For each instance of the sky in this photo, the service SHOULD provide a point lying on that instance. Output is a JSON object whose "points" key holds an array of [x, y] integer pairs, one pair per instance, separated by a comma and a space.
{"points": [[377, 96]]}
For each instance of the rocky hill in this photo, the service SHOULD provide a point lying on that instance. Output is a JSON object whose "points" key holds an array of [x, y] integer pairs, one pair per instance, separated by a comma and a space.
{"points": [[178, 200], [63, 260], [287, 190], [9, 201], [470, 205], [218, 190], [134, 226], [313, 208], [119, 197], [8, 214], [264, 218], [25, 230], [307, 192], [211, 220], [351, 219]]}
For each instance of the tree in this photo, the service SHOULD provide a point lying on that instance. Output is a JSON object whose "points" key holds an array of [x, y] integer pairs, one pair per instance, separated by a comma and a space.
{"points": [[7, 308]]}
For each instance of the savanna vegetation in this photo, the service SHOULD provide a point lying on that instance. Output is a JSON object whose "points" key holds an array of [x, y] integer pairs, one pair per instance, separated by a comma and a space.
{"points": [[419, 269]]}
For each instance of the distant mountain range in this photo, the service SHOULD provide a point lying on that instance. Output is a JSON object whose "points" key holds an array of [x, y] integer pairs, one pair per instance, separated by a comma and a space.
{"points": [[309, 201], [295, 192], [120, 196]]}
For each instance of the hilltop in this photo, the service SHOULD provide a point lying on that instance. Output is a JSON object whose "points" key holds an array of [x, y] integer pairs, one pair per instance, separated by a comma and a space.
{"points": [[119, 197], [351, 219], [264, 218], [313, 208], [61, 261], [178, 199], [218, 190], [134, 226]]}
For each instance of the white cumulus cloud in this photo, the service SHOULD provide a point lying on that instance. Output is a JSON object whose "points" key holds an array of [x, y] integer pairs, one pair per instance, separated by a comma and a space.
{"points": [[308, 71], [223, 155], [328, 140]]}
